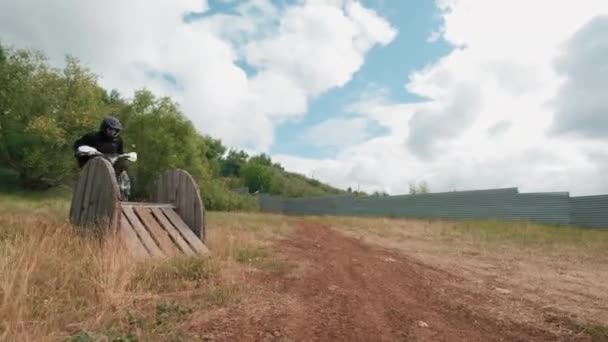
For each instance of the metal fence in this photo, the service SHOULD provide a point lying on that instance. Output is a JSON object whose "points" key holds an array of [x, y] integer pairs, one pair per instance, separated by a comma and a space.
{"points": [[504, 204], [589, 211]]}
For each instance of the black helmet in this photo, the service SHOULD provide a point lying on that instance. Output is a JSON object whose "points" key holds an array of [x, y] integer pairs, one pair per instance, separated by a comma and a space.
{"points": [[111, 122]]}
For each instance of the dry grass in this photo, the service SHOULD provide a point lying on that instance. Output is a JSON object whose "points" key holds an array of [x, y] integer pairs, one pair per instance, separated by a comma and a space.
{"points": [[559, 270], [57, 284]]}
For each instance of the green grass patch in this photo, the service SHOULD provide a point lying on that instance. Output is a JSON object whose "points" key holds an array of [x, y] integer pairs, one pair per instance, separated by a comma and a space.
{"points": [[530, 235], [171, 313], [262, 259], [51, 206], [175, 273], [87, 336], [598, 333], [13, 200], [223, 296], [251, 254], [263, 226]]}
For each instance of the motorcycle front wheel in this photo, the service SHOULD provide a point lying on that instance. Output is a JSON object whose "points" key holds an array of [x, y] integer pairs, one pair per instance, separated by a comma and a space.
{"points": [[124, 184]]}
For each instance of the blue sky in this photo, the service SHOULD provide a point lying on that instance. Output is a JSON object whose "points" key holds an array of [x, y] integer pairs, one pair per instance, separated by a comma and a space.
{"points": [[508, 102], [387, 67]]}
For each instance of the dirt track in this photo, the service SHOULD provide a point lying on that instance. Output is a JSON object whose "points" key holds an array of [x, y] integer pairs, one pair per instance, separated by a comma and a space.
{"points": [[344, 290]]}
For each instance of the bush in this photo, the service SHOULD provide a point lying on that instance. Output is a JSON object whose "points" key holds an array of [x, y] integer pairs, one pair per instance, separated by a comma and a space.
{"points": [[216, 196]]}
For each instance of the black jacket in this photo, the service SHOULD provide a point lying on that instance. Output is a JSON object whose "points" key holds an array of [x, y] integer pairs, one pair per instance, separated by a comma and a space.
{"points": [[100, 142]]}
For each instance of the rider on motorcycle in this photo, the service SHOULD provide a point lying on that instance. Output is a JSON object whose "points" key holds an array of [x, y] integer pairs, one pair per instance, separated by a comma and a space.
{"points": [[106, 140]]}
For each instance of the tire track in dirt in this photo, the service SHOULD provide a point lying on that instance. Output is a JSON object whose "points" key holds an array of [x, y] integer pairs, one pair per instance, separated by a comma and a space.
{"points": [[346, 290]]}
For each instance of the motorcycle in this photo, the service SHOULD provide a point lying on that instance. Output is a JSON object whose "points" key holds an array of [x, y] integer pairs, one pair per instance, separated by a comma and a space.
{"points": [[124, 181]]}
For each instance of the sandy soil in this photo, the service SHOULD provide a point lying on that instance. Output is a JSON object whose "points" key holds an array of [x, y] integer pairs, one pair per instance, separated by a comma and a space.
{"points": [[341, 289], [553, 285]]}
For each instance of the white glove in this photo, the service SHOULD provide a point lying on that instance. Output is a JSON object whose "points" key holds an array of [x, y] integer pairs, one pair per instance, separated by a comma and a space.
{"points": [[132, 156], [87, 149]]}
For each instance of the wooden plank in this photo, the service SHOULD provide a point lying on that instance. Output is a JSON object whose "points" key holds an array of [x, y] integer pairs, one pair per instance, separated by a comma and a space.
{"points": [[143, 234], [191, 213], [158, 233], [190, 203], [198, 215], [183, 198], [94, 206], [188, 235], [131, 239], [160, 190], [95, 199], [175, 180], [109, 208], [90, 183], [169, 188], [101, 203], [81, 192], [148, 205], [84, 214], [179, 188], [188, 213], [78, 195], [165, 192], [173, 233], [116, 214], [109, 211], [166, 186], [174, 197], [177, 177], [100, 184], [172, 188]]}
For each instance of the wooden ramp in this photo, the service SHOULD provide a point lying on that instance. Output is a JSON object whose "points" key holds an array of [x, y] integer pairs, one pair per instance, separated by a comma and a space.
{"points": [[172, 224], [156, 230]]}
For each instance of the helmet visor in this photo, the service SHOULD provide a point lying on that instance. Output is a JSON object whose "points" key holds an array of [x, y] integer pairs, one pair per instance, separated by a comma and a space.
{"points": [[112, 132]]}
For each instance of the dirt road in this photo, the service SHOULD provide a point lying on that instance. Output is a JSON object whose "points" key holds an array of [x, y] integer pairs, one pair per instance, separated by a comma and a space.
{"points": [[344, 290]]}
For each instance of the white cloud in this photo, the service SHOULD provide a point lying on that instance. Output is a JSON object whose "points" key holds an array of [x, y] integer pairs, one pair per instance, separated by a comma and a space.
{"points": [[499, 128], [320, 45], [489, 107], [126, 42], [581, 105], [491, 104], [339, 132], [443, 119]]}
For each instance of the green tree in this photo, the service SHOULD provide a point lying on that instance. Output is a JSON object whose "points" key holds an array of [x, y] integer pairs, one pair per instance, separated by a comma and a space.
{"points": [[213, 150], [261, 159], [164, 139], [262, 178], [231, 166], [421, 188], [42, 111]]}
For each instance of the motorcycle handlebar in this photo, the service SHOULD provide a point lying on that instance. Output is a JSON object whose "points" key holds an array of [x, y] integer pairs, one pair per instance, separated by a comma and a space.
{"points": [[131, 156]]}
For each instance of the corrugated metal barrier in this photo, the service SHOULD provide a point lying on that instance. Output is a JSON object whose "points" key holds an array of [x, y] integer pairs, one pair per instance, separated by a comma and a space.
{"points": [[589, 211], [505, 204]]}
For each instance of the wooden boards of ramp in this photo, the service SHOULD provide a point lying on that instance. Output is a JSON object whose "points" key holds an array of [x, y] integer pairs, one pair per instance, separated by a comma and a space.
{"points": [[95, 199], [156, 230], [173, 224]]}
